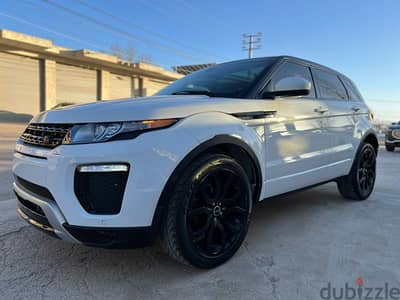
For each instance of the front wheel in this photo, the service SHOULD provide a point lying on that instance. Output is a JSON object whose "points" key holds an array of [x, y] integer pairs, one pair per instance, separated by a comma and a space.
{"points": [[208, 213], [359, 184]]}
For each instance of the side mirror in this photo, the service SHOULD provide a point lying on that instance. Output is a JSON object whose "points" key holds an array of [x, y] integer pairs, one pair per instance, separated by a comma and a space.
{"points": [[289, 86]]}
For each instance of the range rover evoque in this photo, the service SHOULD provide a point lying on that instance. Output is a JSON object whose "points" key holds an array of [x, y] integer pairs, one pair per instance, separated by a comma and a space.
{"points": [[188, 164]]}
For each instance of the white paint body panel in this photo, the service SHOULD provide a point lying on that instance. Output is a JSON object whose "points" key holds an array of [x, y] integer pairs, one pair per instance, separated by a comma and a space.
{"points": [[295, 148]]}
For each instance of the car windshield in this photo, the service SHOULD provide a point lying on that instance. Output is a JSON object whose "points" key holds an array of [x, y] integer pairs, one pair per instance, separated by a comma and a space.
{"points": [[229, 80]]}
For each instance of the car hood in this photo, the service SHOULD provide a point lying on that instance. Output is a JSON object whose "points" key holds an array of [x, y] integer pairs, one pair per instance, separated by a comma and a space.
{"points": [[147, 108]]}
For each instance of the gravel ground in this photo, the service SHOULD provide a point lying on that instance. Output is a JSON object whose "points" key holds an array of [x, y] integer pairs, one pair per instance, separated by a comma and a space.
{"points": [[296, 245]]}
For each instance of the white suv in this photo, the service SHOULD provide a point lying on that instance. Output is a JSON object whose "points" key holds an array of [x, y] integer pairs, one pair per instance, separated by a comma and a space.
{"points": [[188, 164]]}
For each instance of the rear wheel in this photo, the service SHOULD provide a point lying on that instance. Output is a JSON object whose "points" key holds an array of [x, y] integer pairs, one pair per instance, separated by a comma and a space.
{"points": [[359, 184], [208, 213], [390, 148]]}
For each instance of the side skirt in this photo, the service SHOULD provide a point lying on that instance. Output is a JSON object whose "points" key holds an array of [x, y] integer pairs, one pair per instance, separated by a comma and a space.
{"points": [[300, 189]]}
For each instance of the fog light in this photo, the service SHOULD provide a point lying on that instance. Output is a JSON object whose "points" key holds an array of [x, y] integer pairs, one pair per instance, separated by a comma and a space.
{"points": [[103, 168]]}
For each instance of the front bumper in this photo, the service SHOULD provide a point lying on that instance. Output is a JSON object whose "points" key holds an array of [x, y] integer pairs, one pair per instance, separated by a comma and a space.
{"points": [[51, 219], [152, 159], [44, 214]]}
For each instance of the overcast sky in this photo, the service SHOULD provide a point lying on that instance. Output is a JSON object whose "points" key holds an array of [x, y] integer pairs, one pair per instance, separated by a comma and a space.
{"points": [[360, 38]]}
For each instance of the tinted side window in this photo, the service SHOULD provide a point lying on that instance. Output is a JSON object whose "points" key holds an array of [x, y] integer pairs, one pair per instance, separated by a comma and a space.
{"points": [[352, 90], [292, 70], [329, 85]]}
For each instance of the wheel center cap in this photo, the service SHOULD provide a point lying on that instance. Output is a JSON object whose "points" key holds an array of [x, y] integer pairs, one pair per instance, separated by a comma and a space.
{"points": [[217, 211]]}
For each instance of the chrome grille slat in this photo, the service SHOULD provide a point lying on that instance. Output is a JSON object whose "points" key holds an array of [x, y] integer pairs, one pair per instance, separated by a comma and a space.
{"points": [[45, 135], [48, 129]]}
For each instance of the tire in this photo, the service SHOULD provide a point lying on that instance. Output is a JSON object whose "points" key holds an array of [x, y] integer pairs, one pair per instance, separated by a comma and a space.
{"points": [[390, 148], [208, 213], [359, 184]]}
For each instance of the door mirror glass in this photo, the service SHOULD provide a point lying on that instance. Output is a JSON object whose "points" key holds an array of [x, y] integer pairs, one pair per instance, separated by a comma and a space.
{"points": [[289, 86]]}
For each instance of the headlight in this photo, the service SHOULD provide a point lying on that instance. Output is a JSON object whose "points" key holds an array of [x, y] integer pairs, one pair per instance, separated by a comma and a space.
{"points": [[102, 132]]}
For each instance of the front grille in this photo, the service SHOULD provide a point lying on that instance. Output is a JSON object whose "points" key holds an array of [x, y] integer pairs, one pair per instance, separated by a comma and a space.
{"points": [[45, 135], [396, 133]]}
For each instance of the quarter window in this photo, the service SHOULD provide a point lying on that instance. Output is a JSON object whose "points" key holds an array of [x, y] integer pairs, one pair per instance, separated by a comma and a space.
{"points": [[329, 85], [352, 90], [292, 70]]}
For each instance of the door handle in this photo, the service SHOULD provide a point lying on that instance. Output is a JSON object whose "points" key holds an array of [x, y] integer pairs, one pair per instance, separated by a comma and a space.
{"points": [[321, 110], [355, 108]]}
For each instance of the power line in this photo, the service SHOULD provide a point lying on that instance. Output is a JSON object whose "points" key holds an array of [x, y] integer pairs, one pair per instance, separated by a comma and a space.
{"points": [[205, 18], [148, 31], [251, 42], [52, 31], [61, 13], [118, 31]]}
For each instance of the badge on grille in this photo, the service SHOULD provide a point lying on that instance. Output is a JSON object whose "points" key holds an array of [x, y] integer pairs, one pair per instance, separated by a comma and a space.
{"points": [[46, 140]]}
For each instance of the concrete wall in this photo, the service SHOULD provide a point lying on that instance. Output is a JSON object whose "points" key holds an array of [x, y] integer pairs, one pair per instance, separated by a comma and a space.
{"points": [[36, 75], [120, 86], [19, 84], [152, 86], [75, 84]]}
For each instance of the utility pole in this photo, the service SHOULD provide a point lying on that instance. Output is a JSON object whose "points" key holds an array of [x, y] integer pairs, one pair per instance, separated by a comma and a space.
{"points": [[251, 42]]}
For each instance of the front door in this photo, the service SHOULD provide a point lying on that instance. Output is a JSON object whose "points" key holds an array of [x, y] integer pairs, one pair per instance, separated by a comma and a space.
{"points": [[296, 138]]}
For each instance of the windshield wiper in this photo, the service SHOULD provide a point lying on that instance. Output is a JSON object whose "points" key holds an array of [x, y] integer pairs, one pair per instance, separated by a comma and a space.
{"points": [[194, 92]]}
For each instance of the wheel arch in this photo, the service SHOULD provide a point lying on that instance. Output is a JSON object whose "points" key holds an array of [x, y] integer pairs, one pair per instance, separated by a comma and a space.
{"points": [[370, 137], [221, 144]]}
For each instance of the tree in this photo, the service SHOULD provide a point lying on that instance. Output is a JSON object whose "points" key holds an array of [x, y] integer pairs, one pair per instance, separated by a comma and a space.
{"points": [[127, 53], [145, 59], [117, 51]]}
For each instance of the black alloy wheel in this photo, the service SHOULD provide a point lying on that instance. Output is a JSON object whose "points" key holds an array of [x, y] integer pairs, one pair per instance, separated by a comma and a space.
{"points": [[209, 212], [218, 211], [359, 184], [366, 172]]}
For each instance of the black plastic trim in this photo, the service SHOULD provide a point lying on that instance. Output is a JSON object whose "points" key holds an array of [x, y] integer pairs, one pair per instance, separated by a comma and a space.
{"points": [[31, 155], [254, 114], [101, 237], [299, 190], [94, 191], [38, 221], [34, 188], [33, 215], [368, 133]]}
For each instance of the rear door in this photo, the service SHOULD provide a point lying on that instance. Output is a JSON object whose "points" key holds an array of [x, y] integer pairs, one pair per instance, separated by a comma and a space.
{"points": [[340, 120], [356, 107], [296, 139]]}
